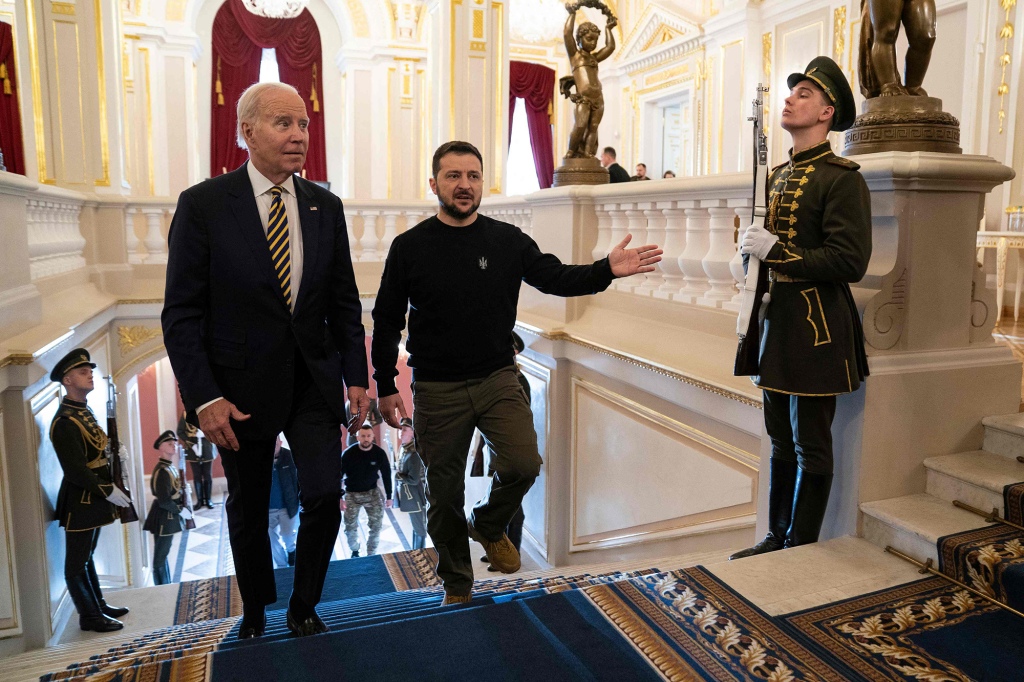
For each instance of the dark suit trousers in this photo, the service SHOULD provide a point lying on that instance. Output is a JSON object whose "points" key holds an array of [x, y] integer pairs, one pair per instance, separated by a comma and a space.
{"points": [[800, 429], [314, 435], [202, 480], [161, 569]]}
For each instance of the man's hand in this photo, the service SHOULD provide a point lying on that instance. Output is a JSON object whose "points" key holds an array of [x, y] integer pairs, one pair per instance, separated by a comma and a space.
{"points": [[626, 262], [215, 422], [757, 242], [389, 503], [118, 498], [359, 407], [185, 513], [392, 409]]}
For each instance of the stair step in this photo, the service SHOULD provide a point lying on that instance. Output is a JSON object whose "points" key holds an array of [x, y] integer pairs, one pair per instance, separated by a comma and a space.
{"points": [[1004, 435], [977, 478], [914, 523]]}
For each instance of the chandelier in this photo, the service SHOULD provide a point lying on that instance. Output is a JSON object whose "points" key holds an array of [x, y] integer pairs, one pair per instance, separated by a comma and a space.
{"points": [[542, 21], [275, 9]]}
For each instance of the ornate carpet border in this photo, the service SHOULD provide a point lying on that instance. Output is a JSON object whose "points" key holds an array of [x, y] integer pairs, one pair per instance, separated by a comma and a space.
{"points": [[208, 599], [871, 633], [1013, 503], [690, 625], [413, 569]]}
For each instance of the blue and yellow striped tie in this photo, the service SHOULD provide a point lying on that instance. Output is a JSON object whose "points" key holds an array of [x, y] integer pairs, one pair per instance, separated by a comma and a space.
{"points": [[280, 249]]}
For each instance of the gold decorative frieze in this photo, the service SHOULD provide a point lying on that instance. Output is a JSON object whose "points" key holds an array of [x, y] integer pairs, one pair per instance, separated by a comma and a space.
{"points": [[839, 33], [531, 51], [1006, 33], [65, 8], [130, 338], [662, 35], [477, 46], [667, 75]]}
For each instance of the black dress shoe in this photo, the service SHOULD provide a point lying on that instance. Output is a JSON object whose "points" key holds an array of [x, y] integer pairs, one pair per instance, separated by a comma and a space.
{"points": [[355, 554], [253, 627], [291, 558], [310, 626], [99, 623], [113, 611], [209, 505]]}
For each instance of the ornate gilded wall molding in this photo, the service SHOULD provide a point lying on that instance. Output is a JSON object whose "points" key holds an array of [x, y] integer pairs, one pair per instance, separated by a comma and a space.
{"points": [[839, 33], [1006, 33], [130, 338]]}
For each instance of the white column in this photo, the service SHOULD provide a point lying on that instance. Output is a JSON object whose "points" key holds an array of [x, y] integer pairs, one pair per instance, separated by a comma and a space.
{"points": [[156, 247], [132, 243], [369, 239], [721, 250], [675, 243], [691, 260]]}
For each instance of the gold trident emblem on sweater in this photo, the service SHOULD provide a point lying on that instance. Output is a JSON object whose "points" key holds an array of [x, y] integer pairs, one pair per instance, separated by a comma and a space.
{"points": [[482, 263]]}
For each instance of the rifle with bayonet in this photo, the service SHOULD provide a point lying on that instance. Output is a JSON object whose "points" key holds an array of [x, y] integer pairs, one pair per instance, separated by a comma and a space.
{"points": [[117, 473], [754, 295], [186, 489]]}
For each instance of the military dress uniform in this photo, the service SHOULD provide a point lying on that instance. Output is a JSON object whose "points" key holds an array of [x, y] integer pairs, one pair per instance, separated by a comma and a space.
{"points": [[164, 519], [201, 461], [82, 508], [410, 495], [811, 340]]}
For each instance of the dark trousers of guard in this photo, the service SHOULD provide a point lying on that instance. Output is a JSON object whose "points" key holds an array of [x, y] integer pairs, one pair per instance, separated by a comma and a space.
{"points": [[800, 429], [161, 567], [446, 414], [314, 434], [84, 584], [202, 481]]}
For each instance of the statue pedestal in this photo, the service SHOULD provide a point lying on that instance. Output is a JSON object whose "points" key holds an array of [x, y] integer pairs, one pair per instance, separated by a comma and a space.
{"points": [[586, 171], [903, 124]]}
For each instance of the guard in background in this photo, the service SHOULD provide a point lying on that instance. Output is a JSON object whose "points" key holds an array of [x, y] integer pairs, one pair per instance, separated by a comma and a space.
{"points": [[409, 482], [167, 514], [817, 243], [87, 498], [201, 462]]}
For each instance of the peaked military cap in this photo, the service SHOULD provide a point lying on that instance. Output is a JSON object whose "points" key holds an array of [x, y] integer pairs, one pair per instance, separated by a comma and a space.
{"points": [[163, 438], [76, 358], [828, 76]]}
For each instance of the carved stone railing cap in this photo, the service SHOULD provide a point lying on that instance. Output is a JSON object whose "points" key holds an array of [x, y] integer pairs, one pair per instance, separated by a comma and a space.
{"points": [[932, 171]]}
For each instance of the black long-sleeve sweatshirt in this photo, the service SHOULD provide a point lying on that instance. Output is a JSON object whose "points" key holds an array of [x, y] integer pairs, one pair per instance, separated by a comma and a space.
{"points": [[461, 288]]}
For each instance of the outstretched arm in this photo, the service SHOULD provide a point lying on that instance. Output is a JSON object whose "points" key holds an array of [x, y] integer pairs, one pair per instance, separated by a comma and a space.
{"points": [[570, 24], [609, 42]]}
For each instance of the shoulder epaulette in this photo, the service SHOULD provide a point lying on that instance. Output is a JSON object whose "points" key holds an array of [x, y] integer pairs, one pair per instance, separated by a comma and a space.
{"points": [[849, 164]]}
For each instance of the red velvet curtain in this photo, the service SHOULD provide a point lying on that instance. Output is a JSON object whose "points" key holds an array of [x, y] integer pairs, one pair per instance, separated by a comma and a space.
{"points": [[10, 115], [239, 37], [535, 84]]}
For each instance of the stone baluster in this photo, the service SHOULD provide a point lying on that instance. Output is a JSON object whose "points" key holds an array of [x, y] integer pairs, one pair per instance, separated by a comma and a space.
{"points": [[131, 240], [637, 226], [674, 245], [413, 218], [655, 235], [604, 231], [736, 264], [369, 240], [691, 260], [618, 233], [156, 246], [721, 249], [390, 231], [350, 229]]}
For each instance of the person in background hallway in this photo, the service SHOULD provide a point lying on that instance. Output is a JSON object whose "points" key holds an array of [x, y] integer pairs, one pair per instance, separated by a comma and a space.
{"points": [[167, 514], [616, 173], [263, 327], [461, 273], [284, 507], [515, 526], [200, 462], [409, 485], [812, 345], [87, 499], [641, 172], [361, 466], [668, 174]]}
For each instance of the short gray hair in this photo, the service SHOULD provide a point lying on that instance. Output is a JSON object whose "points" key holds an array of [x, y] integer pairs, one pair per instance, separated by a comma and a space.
{"points": [[250, 106]]}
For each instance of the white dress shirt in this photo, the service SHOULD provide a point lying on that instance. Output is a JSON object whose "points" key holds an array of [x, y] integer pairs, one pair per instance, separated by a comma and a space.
{"points": [[261, 187]]}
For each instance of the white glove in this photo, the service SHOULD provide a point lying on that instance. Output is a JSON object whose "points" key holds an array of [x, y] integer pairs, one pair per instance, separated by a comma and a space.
{"points": [[757, 242], [118, 498], [185, 513]]}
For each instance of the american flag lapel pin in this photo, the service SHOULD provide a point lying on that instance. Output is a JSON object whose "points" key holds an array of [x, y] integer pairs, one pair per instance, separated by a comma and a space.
{"points": [[312, 208]]}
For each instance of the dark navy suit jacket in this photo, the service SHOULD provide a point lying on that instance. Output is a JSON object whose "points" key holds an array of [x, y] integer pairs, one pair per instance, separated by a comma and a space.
{"points": [[227, 328]]}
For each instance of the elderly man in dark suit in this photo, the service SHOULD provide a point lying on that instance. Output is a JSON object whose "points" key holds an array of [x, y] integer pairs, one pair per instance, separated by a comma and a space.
{"points": [[262, 323]]}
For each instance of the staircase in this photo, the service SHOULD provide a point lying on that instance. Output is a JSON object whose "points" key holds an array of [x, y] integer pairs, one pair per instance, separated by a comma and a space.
{"points": [[914, 523]]}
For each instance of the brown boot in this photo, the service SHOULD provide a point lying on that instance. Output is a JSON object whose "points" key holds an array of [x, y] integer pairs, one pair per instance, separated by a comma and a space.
{"points": [[501, 553], [456, 599]]}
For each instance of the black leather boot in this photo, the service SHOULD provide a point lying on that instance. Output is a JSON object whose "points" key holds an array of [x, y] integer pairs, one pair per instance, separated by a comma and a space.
{"points": [[89, 615], [94, 581], [809, 504], [781, 485]]}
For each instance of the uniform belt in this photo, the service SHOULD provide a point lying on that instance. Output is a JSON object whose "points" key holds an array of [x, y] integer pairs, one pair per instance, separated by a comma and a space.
{"points": [[97, 463], [779, 277]]}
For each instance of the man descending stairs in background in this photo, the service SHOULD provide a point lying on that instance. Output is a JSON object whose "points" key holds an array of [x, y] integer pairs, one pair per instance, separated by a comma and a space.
{"points": [[817, 242]]}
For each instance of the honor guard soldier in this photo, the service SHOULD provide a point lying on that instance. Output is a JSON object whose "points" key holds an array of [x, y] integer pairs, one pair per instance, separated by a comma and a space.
{"points": [[87, 499], [167, 514], [816, 242], [200, 461]]}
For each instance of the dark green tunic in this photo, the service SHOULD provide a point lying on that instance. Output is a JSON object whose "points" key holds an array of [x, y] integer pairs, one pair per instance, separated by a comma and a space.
{"points": [[79, 443], [164, 516], [812, 343]]}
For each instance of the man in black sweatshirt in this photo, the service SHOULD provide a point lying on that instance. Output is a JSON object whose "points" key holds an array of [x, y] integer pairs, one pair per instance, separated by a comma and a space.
{"points": [[458, 273], [361, 464]]}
